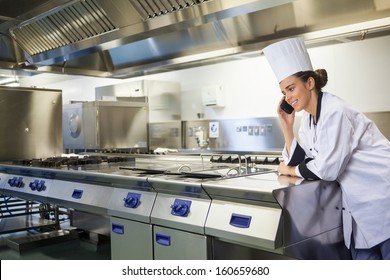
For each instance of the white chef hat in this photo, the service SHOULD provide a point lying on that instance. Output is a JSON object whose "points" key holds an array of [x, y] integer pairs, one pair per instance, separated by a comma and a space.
{"points": [[288, 57]]}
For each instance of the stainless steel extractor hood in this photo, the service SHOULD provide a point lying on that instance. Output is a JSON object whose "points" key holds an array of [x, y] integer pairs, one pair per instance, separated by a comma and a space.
{"points": [[128, 38]]}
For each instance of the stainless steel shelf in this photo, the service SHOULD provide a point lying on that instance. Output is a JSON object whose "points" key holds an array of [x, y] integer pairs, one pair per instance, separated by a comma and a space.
{"points": [[22, 223], [21, 243]]}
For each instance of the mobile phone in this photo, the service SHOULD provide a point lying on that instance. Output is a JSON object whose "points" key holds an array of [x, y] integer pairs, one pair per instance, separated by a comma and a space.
{"points": [[286, 107]]}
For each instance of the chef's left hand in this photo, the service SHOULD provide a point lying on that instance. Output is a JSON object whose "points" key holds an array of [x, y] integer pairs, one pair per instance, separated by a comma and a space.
{"points": [[289, 180]]}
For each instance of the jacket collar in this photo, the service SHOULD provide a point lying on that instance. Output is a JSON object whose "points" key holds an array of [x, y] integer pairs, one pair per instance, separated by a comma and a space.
{"points": [[319, 101]]}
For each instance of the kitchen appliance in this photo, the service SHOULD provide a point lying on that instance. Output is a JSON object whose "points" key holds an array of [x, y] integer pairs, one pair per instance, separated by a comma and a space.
{"points": [[267, 216], [182, 206], [212, 206], [31, 123], [163, 97], [23, 204], [130, 208], [178, 219], [164, 211], [103, 125], [57, 182]]}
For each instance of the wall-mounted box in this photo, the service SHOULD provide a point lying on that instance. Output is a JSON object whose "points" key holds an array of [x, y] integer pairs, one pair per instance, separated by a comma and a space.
{"points": [[118, 91], [213, 96]]}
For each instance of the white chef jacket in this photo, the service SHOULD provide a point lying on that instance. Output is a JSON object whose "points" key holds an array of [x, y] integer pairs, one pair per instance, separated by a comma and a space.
{"points": [[346, 146]]}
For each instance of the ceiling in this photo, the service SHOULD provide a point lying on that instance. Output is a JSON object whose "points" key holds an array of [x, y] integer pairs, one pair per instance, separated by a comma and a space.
{"points": [[130, 38]]}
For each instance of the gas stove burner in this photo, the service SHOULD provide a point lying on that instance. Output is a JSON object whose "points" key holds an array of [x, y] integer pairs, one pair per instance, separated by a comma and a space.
{"points": [[118, 159], [48, 162], [74, 161], [90, 160], [24, 162], [267, 160], [245, 159], [229, 159]]}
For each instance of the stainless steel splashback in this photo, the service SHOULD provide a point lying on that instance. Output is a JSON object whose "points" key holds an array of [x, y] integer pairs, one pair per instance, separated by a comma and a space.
{"points": [[242, 135], [254, 134], [30, 123], [165, 135], [233, 135]]}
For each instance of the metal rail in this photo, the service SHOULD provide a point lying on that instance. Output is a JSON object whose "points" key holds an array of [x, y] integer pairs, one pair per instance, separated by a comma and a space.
{"points": [[240, 169], [20, 215]]}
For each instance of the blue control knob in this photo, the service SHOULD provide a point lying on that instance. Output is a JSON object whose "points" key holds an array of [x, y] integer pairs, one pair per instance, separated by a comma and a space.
{"points": [[20, 183], [33, 185], [132, 200], [11, 182], [41, 186], [181, 207], [38, 185], [180, 210], [16, 182]]}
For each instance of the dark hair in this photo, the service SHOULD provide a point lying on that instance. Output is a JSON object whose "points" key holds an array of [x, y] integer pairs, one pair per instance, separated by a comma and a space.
{"points": [[320, 77]]}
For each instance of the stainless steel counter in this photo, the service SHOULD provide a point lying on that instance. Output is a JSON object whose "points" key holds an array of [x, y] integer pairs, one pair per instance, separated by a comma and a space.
{"points": [[241, 216]]}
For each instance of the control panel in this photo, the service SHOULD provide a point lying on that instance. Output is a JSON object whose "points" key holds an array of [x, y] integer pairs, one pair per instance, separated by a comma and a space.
{"points": [[26, 187], [90, 198], [181, 207], [38, 185], [134, 204], [16, 182], [181, 212]]}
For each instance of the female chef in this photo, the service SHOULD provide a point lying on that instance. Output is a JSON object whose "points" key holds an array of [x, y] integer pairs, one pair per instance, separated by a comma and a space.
{"points": [[336, 142]]}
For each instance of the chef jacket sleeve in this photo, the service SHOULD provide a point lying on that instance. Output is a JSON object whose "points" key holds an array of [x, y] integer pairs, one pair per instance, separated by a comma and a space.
{"points": [[334, 145], [297, 154], [303, 171]]}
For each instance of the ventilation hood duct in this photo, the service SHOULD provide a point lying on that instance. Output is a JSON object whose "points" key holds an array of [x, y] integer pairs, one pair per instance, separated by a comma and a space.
{"points": [[70, 24], [129, 38]]}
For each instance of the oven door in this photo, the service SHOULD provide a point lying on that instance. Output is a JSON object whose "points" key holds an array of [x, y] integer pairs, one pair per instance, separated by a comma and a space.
{"points": [[130, 240], [173, 244]]}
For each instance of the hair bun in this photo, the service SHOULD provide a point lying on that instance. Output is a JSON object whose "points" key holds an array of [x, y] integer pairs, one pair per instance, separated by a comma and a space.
{"points": [[322, 77]]}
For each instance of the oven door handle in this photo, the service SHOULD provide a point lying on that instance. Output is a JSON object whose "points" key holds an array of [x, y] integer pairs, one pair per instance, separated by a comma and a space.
{"points": [[118, 228], [240, 221], [77, 194], [163, 239]]}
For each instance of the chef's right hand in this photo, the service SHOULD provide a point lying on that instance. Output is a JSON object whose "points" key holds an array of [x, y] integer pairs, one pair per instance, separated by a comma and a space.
{"points": [[287, 120]]}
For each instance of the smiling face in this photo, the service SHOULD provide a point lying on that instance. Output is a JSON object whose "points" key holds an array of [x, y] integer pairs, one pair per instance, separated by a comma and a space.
{"points": [[298, 93]]}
